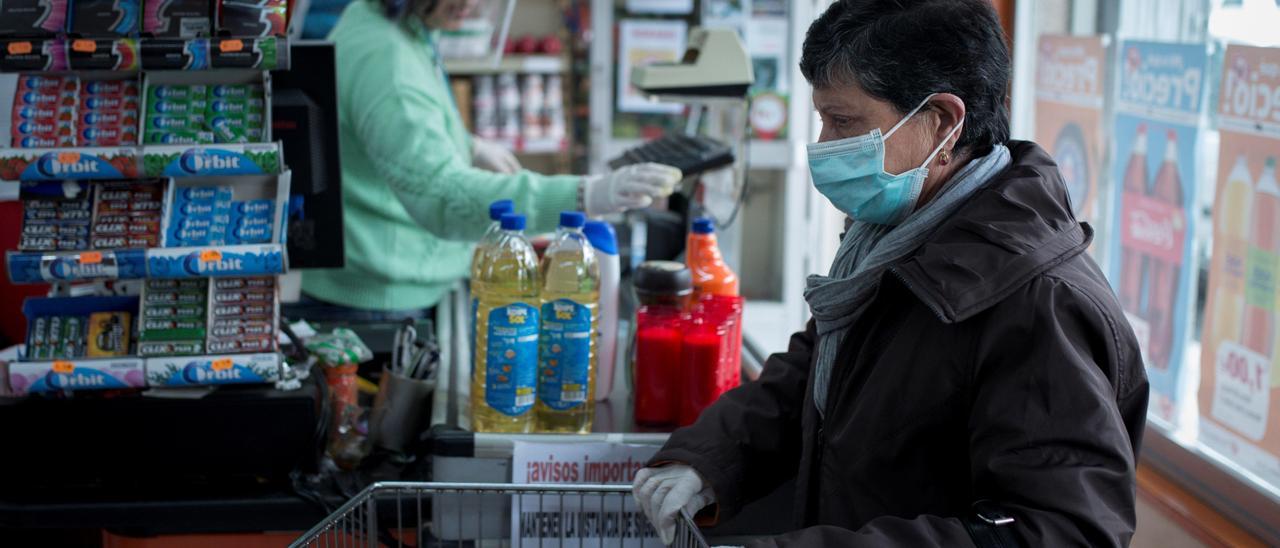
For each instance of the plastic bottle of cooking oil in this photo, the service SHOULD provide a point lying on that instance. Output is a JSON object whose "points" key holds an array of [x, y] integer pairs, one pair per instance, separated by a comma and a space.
{"points": [[478, 258], [570, 314], [503, 385]]}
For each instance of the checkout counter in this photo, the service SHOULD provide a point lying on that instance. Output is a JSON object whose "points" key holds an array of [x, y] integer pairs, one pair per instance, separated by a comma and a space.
{"points": [[458, 455]]}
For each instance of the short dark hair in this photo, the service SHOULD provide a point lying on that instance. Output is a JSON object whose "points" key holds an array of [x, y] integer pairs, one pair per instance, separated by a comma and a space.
{"points": [[901, 51]]}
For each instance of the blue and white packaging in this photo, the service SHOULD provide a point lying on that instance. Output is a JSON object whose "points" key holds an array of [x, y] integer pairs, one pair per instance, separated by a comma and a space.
{"points": [[212, 370]]}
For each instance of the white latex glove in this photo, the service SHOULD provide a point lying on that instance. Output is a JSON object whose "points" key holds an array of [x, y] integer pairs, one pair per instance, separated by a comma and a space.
{"points": [[663, 492], [492, 156], [629, 187]]}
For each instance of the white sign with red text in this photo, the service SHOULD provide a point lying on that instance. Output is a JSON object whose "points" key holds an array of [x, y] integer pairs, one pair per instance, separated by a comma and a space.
{"points": [[579, 518]]}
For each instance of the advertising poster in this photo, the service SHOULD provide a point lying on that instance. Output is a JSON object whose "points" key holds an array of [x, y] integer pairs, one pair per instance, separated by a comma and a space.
{"points": [[767, 44], [1240, 373], [731, 14], [590, 521], [1161, 92], [645, 42], [1069, 93]]}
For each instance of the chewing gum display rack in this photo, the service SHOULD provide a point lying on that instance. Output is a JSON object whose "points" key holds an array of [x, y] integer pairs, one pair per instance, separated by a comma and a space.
{"points": [[244, 167], [143, 54]]}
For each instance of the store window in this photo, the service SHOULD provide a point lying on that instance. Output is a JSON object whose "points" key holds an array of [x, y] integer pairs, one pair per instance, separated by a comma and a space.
{"points": [[1165, 118]]}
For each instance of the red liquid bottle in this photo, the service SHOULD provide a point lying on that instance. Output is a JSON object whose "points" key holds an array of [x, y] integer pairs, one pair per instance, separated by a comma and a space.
{"points": [[705, 353], [1164, 273], [664, 290], [1134, 264]]}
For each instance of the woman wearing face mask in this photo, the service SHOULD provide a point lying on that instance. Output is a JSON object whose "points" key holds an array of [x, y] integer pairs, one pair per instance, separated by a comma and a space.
{"points": [[968, 377], [416, 187]]}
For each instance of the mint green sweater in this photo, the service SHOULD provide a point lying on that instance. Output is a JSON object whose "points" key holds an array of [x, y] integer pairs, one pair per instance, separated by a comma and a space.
{"points": [[413, 205]]}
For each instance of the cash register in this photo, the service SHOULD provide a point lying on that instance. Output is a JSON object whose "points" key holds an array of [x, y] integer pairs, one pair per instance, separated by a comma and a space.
{"points": [[715, 66]]}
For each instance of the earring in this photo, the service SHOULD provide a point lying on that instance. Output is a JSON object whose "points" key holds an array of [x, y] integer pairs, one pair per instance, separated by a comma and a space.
{"points": [[945, 157]]}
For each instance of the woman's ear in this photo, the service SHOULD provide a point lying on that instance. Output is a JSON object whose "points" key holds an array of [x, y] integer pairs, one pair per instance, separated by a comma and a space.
{"points": [[950, 110]]}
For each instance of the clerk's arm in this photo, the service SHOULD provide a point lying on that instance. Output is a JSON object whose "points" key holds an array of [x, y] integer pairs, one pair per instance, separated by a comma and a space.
{"points": [[748, 442], [402, 125], [1048, 438]]}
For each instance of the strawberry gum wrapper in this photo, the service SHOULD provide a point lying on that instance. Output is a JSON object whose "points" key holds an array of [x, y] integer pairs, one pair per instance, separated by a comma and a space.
{"points": [[40, 113], [47, 84], [118, 88], [107, 118]]}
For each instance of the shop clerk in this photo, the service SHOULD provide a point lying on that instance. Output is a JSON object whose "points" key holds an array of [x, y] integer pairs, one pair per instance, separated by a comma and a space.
{"points": [[416, 186], [968, 362]]}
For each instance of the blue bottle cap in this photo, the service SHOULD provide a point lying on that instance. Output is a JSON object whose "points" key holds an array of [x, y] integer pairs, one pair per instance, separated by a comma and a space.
{"points": [[572, 219], [512, 221], [500, 208], [703, 225], [602, 237]]}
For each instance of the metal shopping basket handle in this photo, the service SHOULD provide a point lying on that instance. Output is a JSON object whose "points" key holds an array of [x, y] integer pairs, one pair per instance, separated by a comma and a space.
{"points": [[439, 515]]}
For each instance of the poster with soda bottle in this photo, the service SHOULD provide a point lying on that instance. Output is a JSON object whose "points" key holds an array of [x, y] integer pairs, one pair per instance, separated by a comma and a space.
{"points": [[1240, 365], [1160, 97], [1069, 90]]}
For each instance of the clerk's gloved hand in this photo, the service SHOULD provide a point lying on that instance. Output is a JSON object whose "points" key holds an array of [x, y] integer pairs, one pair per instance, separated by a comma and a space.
{"points": [[663, 492], [630, 187], [491, 156]]}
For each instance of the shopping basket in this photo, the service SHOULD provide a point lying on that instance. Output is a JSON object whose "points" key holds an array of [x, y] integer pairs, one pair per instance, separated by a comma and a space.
{"points": [[445, 515]]}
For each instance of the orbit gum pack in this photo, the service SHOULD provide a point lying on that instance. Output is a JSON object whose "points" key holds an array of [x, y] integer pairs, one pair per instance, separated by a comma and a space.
{"points": [[63, 111], [205, 114]]}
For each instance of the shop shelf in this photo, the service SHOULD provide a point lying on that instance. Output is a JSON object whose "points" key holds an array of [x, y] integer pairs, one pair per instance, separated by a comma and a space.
{"points": [[521, 64], [27, 267], [211, 160], [146, 54], [72, 266], [77, 374], [60, 164], [209, 261], [132, 162], [760, 154], [171, 371], [38, 376]]}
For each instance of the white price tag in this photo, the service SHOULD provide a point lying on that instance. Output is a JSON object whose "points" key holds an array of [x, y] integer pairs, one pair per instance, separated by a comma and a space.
{"points": [[1242, 389]]}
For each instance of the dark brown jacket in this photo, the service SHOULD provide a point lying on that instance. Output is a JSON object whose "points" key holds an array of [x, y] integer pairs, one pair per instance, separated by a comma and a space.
{"points": [[995, 363]]}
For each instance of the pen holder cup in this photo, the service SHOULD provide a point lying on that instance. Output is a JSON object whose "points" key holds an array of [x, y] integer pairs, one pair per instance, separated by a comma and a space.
{"points": [[400, 411]]}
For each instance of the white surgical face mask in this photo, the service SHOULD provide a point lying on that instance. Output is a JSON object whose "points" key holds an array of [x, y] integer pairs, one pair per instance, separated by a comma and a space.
{"points": [[850, 173]]}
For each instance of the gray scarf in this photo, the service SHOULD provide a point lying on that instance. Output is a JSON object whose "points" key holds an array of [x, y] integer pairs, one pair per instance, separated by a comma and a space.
{"points": [[867, 250]]}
